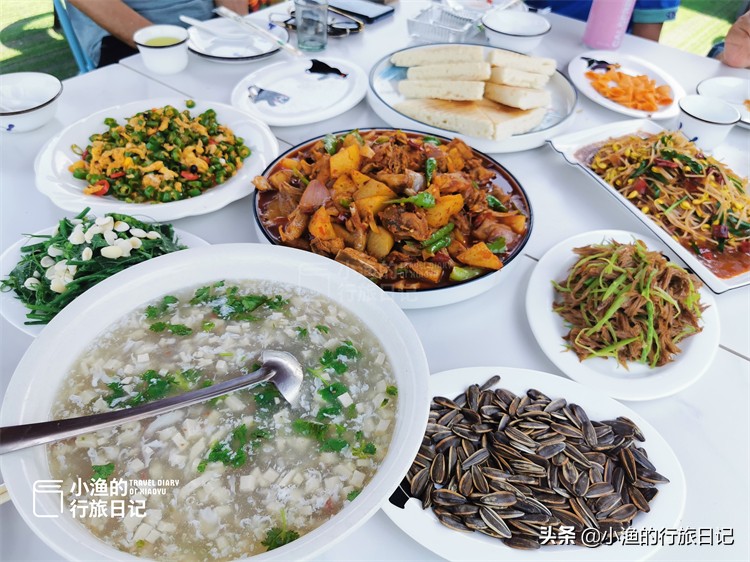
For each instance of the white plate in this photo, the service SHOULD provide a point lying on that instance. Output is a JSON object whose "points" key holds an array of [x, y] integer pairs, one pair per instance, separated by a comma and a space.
{"points": [[638, 382], [14, 311], [667, 506], [235, 46], [55, 181], [569, 146], [309, 97], [732, 90], [383, 94], [578, 67]]}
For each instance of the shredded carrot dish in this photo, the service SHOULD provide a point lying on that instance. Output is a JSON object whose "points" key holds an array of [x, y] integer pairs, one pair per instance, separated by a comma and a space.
{"points": [[636, 92]]}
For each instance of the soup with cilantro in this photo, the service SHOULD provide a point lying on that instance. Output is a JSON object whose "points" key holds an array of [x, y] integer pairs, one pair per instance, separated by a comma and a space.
{"points": [[238, 475]]}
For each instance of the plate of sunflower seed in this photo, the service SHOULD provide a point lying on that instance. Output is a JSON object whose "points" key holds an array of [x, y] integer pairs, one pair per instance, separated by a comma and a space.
{"points": [[515, 460]]}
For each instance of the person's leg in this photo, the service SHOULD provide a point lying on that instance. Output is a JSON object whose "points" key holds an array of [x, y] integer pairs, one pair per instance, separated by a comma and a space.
{"points": [[113, 50]]}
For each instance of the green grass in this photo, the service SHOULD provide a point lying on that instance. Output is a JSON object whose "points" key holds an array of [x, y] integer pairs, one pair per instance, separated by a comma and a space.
{"points": [[28, 42], [700, 24]]}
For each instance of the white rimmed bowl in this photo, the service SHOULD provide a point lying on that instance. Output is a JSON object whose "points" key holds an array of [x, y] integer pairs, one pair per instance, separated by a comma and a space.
{"points": [[515, 30], [45, 365], [28, 100], [706, 121]]}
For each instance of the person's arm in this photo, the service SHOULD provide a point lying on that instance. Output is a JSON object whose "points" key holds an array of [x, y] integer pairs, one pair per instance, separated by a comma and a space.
{"points": [[114, 16], [647, 30], [239, 6], [737, 43], [650, 15]]}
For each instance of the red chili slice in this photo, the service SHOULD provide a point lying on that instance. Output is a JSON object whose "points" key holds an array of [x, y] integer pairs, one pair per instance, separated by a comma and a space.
{"points": [[101, 188], [640, 186], [189, 175], [115, 175]]}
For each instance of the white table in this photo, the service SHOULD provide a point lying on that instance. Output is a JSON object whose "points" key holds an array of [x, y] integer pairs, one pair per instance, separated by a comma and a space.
{"points": [[493, 326]]}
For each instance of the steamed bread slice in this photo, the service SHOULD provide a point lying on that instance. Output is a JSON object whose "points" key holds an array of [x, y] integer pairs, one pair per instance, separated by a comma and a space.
{"points": [[522, 98], [514, 77], [439, 55], [450, 71], [540, 65], [462, 90], [483, 119]]}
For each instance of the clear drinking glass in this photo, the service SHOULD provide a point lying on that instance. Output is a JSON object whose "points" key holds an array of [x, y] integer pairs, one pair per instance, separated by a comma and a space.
{"points": [[312, 24]]}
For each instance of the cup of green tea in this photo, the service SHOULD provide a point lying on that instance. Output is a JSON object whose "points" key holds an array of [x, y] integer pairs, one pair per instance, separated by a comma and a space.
{"points": [[163, 48]]}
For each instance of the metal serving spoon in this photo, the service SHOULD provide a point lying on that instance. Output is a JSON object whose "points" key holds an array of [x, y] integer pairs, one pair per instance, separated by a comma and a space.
{"points": [[279, 367]]}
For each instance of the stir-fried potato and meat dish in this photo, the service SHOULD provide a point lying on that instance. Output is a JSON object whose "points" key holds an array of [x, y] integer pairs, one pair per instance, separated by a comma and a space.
{"points": [[406, 210]]}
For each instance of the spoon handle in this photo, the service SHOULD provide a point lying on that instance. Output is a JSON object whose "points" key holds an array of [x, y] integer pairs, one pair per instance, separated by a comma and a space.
{"points": [[15, 437]]}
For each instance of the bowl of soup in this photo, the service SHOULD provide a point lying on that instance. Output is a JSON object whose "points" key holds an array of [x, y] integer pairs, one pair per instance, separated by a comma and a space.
{"points": [[241, 476], [428, 219]]}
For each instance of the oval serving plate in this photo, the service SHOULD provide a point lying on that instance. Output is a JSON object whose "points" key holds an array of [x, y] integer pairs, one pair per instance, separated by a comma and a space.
{"points": [[55, 181], [286, 94], [629, 64], [574, 147], [14, 311], [236, 47], [638, 382], [383, 93], [437, 296], [666, 508]]}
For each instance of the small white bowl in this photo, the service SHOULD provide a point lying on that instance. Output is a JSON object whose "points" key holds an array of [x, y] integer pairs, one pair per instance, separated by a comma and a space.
{"points": [[705, 120], [515, 30], [28, 100]]}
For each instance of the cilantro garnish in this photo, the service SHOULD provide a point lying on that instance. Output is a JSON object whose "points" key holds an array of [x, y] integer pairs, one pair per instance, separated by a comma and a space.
{"points": [[279, 536], [102, 471]]}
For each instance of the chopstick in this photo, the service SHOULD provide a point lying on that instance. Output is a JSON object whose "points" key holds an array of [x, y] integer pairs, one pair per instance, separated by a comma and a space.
{"points": [[235, 17]]}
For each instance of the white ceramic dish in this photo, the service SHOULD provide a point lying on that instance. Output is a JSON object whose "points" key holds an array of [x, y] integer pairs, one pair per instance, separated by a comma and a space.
{"points": [[638, 382], [433, 297], [15, 312], [629, 64], [569, 146], [35, 383], [28, 100], [667, 506], [383, 94], [514, 29], [286, 94], [731, 89], [55, 181], [230, 44]]}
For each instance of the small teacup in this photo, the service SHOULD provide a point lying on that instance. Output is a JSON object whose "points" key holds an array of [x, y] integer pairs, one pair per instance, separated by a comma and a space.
{"points": [[706, 121], [163, 48]]}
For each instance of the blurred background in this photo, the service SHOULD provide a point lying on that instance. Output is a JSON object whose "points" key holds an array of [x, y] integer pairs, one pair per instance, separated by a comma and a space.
{"points": [[31, 39]]}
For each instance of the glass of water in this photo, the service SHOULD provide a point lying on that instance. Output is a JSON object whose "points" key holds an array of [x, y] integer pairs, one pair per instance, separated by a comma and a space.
{"points": [[312, 24]]}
